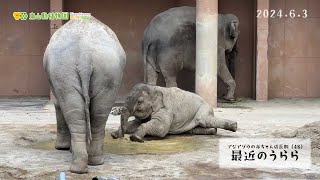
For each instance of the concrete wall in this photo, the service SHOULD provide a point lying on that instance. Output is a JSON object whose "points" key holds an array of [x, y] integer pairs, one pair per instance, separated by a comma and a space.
{"points": [[128, 19], [294, 50], [22, 44]]}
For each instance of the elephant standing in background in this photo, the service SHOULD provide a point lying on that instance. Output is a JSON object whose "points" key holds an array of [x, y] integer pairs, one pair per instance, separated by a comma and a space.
{"points": [[169, 46], [84, 62], [160, 111]]}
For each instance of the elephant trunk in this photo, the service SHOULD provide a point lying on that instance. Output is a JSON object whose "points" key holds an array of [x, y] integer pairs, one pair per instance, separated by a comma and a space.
{"points": [[125, 114], [231, 63], [233, 58]]}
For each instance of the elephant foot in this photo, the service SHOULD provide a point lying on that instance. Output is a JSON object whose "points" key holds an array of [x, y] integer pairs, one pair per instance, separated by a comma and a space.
{"points": [[96, 160], [79, 166], [62, 147], [136, 138], [116, 135], [229, 98], [62, 143], [231, 126]]}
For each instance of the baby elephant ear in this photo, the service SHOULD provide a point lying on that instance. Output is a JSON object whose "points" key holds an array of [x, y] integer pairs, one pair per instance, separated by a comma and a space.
{"points": [[234, 29], [157, 101]]}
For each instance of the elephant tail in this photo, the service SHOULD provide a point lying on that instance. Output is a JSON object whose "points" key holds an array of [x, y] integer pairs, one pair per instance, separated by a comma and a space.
{"points": [[87, 113], [149, 55], [85, 72]]}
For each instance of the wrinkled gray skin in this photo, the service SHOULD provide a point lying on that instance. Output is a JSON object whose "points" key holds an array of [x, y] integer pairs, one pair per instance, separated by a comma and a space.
{"points": [[84, 62], [160, 111], [169, 46]]}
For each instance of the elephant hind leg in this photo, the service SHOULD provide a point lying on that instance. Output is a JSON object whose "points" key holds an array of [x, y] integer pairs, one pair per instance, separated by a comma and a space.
{"points": [[73, 112], [214, 122], [100, 108], [63, 141], [202, 131], [171, 81], [170, 77], [170, 62]]}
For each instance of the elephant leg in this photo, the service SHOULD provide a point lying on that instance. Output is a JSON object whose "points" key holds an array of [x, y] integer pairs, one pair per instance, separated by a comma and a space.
{"points": [[73, 111], [202, 131], [150, 75], [171, 81], [129, 128], [226, 77], [100, 108], [63, 141], [158, 126], [170, 78], [170, 63], [213, 122]]}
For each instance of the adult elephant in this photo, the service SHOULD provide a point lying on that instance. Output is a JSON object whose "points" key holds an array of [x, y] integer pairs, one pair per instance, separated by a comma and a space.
{"points": [[169, 46], [84, 62]]}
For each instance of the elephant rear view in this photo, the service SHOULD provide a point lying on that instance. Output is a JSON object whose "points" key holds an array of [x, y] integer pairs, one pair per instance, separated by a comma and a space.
{"points": [[169, 46], [84, 62]]}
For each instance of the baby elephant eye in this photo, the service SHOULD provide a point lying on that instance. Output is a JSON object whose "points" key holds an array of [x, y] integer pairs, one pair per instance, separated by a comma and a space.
{"points": [[140, 102]]}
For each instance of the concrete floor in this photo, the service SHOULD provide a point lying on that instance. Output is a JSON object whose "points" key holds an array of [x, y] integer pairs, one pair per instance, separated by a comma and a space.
{"points": [[28, 121]]}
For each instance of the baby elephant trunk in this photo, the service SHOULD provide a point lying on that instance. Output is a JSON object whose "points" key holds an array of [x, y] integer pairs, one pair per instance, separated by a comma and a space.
{"points": [[125, 114]]}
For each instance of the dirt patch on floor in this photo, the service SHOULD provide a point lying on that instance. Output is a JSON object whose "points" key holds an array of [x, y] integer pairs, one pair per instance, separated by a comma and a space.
{"points": [[45, 140], [312, 131], [27, 137], [68, 175], [11, 173], [202, 171]]}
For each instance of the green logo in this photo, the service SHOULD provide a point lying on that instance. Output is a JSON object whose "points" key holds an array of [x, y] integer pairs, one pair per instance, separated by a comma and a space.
{"points": [[41, 16]]}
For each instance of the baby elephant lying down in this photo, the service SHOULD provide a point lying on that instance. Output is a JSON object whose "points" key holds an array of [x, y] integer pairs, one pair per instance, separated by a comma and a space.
{"points": [[160, 111]]}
